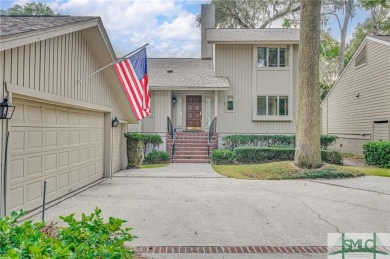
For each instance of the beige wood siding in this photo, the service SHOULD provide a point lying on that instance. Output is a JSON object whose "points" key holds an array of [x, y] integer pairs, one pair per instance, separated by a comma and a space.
{"points": [[236, 61], [324, 118], [55, 66], [161, 108], [361, 95], [57, 144], [381, 131]]}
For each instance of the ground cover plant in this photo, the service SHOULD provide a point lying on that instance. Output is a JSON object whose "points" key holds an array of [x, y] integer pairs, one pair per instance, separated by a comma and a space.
{"points": [[90, 237], [287, 170]]}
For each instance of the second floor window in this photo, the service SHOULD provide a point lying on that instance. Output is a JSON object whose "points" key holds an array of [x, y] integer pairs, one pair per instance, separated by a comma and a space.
{"points": [[272, 57]]}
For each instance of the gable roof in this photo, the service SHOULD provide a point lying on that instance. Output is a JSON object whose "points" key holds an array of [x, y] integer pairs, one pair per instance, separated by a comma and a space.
{"points": [[40, 28], [377, 38], [11, 25], [252, 35], [184, 74]]}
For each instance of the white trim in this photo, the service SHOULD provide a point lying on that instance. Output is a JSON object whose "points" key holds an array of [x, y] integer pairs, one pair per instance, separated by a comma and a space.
{"points": [[378, 40], [21, 39], [34, 95], [165, 88]]}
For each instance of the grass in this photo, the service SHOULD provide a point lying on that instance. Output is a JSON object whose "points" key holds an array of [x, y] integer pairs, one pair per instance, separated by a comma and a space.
{"points": [[287, 170], [152, 165]]}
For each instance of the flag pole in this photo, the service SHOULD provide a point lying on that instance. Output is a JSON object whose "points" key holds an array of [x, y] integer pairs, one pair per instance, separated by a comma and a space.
{"points": [[118, 59]]}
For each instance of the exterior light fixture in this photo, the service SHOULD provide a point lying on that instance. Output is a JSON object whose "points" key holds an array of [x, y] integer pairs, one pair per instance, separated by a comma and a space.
{"points": [[6, 110], [115, 122], [174, 100]]}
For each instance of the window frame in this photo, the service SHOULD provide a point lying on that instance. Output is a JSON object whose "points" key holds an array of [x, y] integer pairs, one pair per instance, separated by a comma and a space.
{"points": [[226, 103], [276, 117], [278, 47]]}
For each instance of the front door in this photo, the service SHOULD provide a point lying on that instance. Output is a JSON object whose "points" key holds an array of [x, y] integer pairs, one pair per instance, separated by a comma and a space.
{"points": [[194, 112]]}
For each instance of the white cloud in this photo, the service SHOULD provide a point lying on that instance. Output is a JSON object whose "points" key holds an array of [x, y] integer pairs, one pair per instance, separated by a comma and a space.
{"points": [[165, 24]]}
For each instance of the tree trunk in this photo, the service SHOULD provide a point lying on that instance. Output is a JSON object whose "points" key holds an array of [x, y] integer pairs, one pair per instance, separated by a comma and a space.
{"points": [[308, 149], [348, 6]]}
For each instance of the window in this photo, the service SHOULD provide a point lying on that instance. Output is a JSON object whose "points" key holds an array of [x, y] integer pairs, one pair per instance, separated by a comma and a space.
{"points": [[362, 57], [272, 57], [208, 111], [179, 111], [229, 103], [272, 105]]}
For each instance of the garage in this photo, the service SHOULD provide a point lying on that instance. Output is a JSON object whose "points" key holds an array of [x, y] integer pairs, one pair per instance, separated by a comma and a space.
{"points": [[60, 145]]}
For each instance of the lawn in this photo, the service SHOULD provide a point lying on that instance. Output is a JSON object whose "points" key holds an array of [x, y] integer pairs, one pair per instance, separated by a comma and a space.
{"points": [[287, 170]]}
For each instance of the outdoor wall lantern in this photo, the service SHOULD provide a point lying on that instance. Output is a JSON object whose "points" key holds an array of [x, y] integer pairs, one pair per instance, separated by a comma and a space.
{"points": [[174, 100], [6, 110], [115, 122]]}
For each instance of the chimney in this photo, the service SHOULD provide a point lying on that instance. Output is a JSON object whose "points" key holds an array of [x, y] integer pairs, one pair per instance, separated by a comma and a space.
{"points": [[207, 21]]}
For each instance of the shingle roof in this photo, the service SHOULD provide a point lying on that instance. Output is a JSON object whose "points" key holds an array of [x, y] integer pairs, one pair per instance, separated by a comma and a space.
{"points": [[381, 37], [176, 73], [10, 25], [252, 35]]}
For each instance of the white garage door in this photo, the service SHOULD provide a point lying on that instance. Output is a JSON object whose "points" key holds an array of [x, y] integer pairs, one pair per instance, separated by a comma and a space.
{"points": [[117, 148], [61, 145]]}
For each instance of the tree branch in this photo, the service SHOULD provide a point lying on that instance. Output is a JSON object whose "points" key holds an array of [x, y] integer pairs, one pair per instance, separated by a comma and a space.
{"points": [[280, 15]]}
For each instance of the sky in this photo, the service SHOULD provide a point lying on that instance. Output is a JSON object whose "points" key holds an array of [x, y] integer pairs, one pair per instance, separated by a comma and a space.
{"points": [[169, 26]]}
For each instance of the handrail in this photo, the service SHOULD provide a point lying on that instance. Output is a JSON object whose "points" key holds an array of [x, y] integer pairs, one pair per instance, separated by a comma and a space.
{"points": [[212, 130], [171, 132]]}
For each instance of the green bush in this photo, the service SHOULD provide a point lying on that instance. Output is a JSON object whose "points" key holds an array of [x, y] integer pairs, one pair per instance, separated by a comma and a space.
{"points": [[332, 157], [233, 141], [222, 156], [328, 173], [136, 146], [377, 153], [262, 154], [327, 140], [90, 237], [157, 157]]}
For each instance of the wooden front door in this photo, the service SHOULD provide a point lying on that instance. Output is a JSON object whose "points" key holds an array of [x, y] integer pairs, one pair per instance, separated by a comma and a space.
{"points": [[194, 112]]}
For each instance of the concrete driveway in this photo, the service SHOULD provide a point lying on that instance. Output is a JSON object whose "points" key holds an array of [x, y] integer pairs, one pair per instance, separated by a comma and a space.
{"points": [[191, 205]]}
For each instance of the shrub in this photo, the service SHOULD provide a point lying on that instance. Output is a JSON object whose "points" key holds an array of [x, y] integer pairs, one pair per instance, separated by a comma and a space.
{"points": [[222, 156], [233, 141], [332, 157], [262, 154], [136, 146], [273, 154], [327, 140], [90, 237], [377, 153], [157, 157], [328, 173]]}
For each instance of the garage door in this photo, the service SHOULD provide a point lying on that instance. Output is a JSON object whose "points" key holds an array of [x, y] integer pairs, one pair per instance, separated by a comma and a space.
{"points": [[61, 145], [117, 148]]}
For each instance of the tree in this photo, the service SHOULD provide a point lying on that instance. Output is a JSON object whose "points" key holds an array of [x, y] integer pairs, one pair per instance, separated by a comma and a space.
{"points": [[308, 149], [252, 13], [343, 11], [28, 9]]}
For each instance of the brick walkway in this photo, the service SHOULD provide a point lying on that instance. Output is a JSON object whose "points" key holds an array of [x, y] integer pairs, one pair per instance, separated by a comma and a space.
{"points": [[232, 249]]}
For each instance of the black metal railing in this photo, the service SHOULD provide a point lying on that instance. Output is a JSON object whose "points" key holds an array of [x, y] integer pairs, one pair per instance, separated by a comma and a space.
{"points": [[171, 132], [212, 130]]}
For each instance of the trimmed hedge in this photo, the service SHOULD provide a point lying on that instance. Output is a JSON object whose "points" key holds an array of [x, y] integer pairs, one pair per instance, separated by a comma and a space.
{"points": [[136, 146], [268, 154], [233, 141], [222, 156], [377, 153], [157, 157]]}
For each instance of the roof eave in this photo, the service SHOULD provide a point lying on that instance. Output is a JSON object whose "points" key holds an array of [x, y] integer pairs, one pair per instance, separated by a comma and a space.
{"points": [[199, 88], [254, 42]]}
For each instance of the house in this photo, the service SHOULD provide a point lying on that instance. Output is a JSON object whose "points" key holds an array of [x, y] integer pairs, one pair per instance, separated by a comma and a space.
{"points": [[357, 108], [246, 78], [61, 130]]}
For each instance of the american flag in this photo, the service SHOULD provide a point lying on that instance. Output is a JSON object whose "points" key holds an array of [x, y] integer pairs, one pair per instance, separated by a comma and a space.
{"points": [[133, 74]]}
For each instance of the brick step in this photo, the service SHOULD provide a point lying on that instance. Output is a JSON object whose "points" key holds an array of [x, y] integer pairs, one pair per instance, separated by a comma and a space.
{"points": [[200, 161], [185, 145], [191, 156], [199, 149], [189, 141]]}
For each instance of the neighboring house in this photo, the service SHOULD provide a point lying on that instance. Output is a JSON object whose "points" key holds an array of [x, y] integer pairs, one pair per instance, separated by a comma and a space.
{"points": [[61, 130], [357, 108], [247, 78]]}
